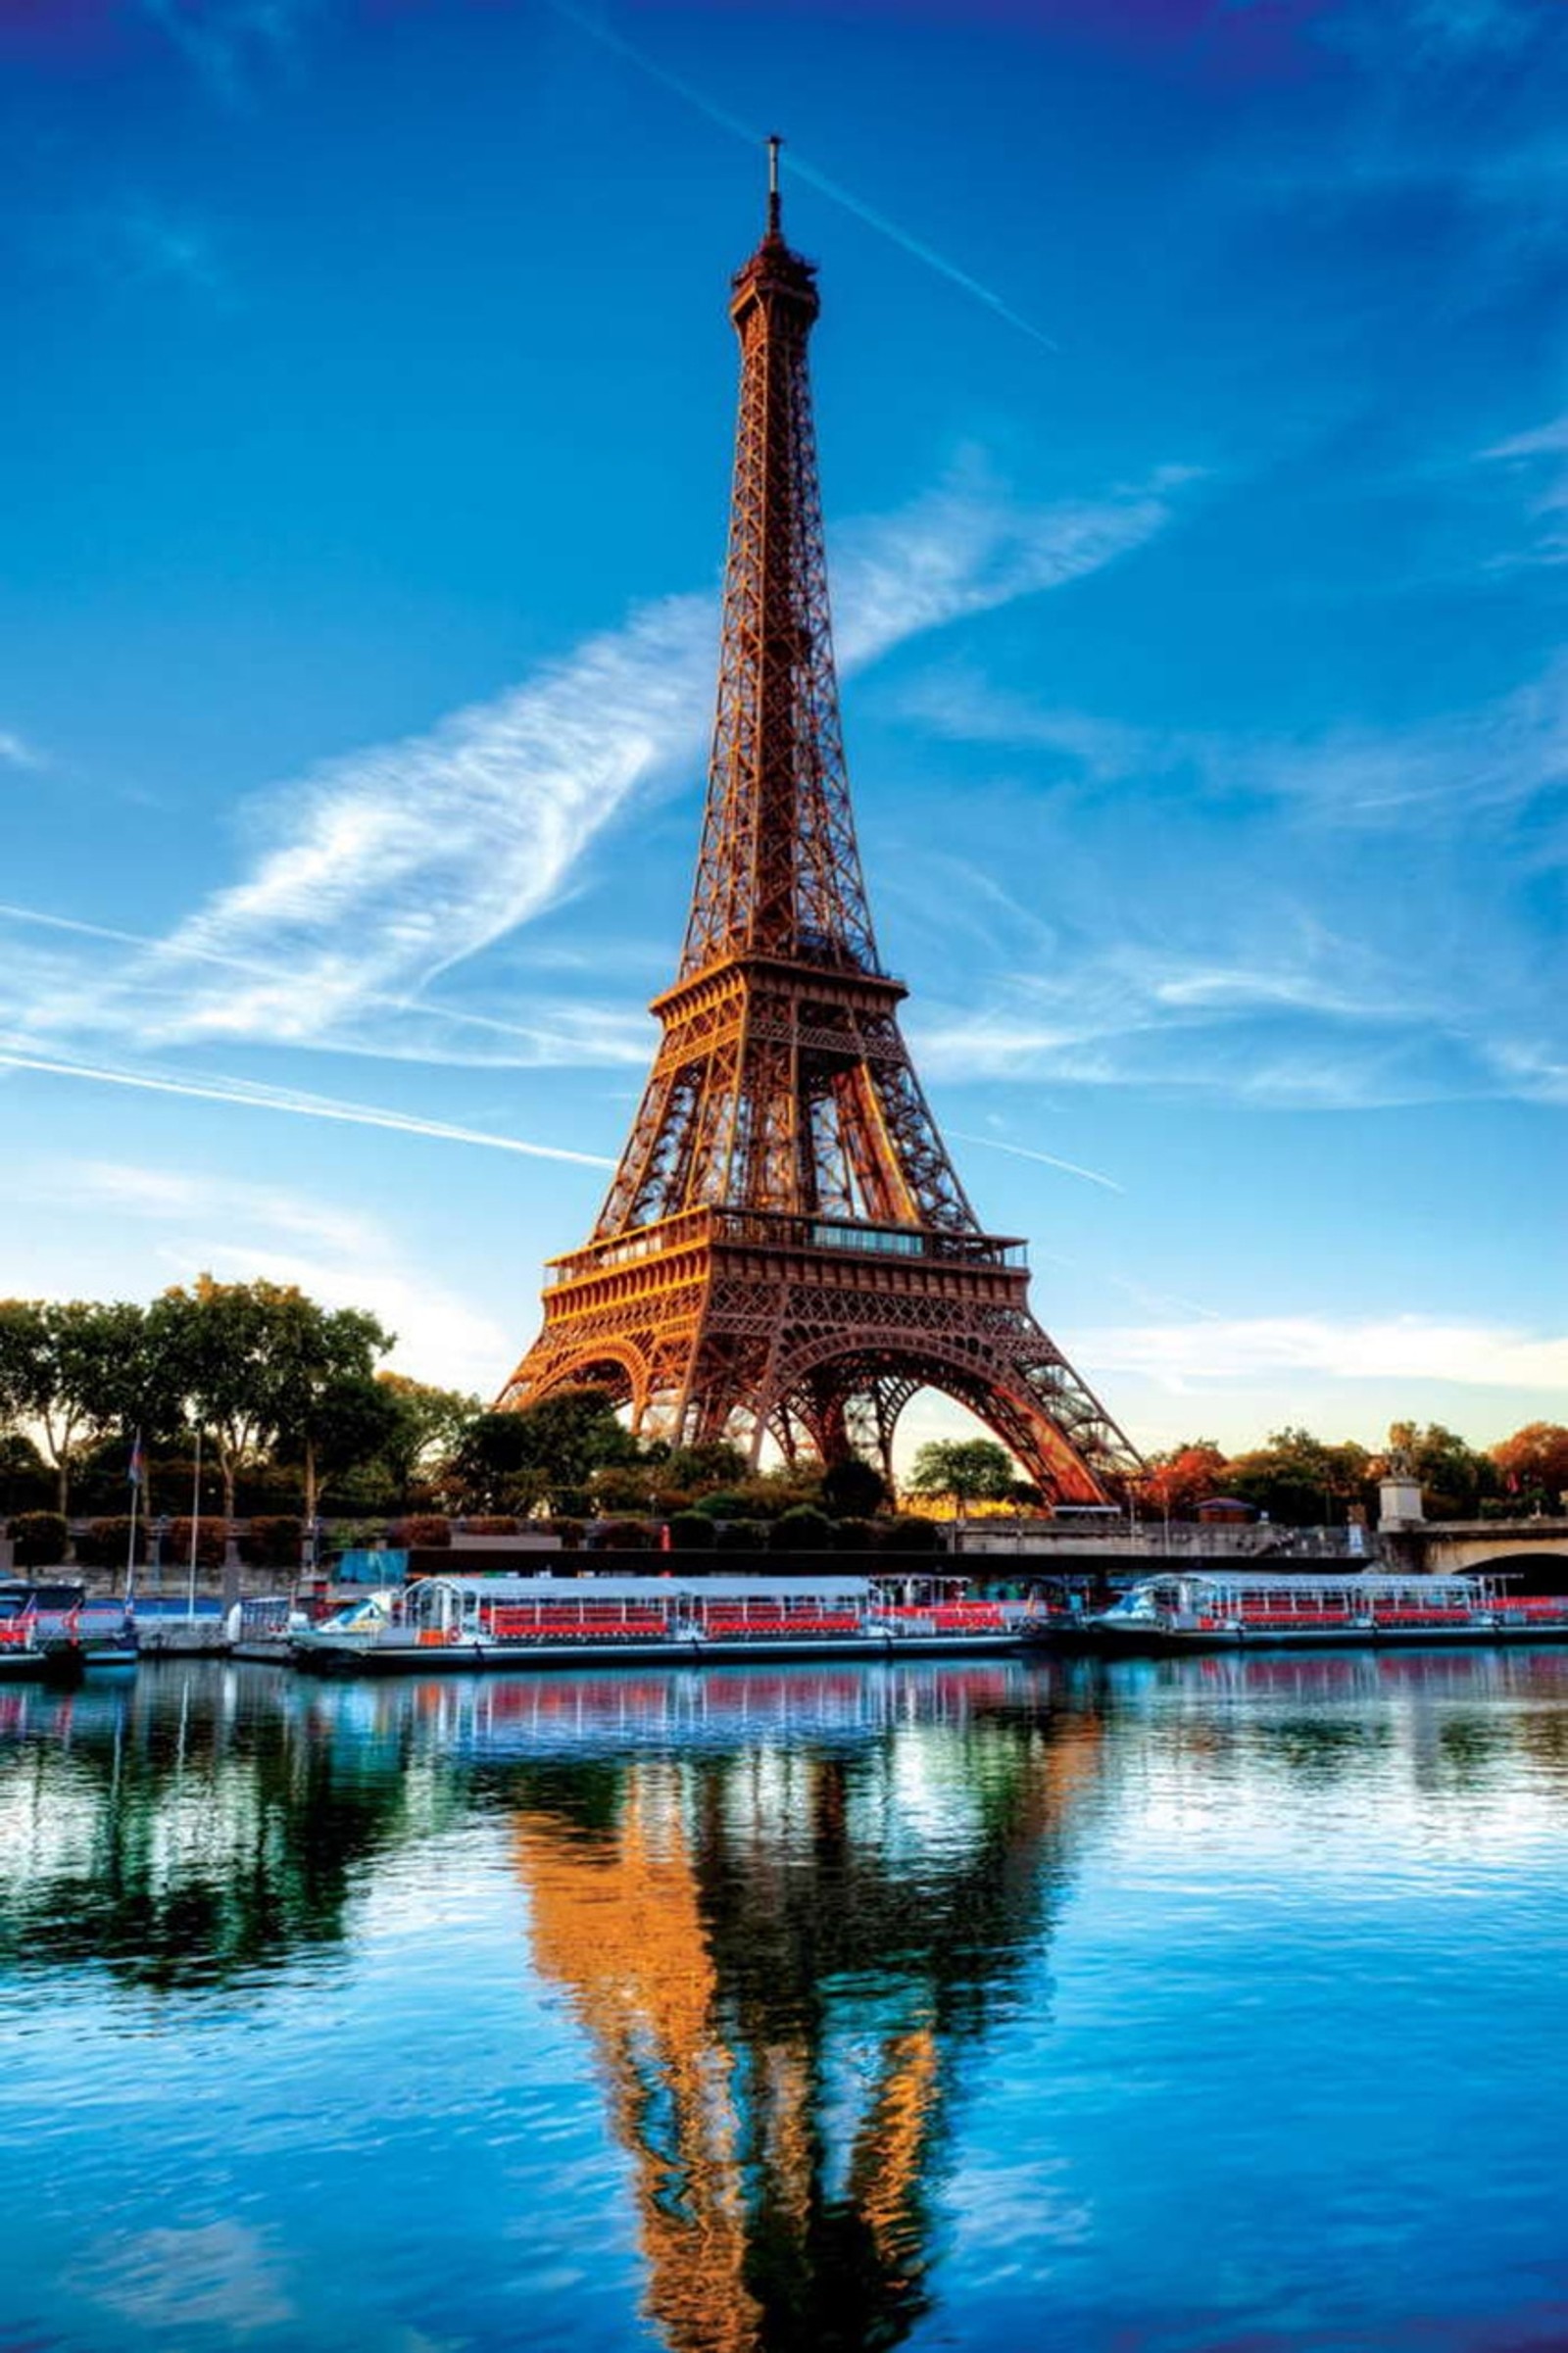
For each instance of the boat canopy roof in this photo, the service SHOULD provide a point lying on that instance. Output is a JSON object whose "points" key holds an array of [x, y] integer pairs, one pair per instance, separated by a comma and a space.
{"points": [[1349, 1579], [651, 1589]]}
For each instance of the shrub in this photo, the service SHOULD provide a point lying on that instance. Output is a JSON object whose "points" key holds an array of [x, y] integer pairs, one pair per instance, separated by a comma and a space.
{"points": [[911, 1533], [742, 1536], [495, 1524], [426, 1531], [41, 1539], [212, 1537], [104, 1543], [856, 1535], [357, 1535], [725, 1504], [274, 1542], [692, 1531], [801, 1528], [570, 1533], [625, 1536]]}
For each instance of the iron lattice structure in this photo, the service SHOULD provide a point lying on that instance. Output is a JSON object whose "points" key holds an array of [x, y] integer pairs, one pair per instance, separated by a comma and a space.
{"points": [[786, 1249]]}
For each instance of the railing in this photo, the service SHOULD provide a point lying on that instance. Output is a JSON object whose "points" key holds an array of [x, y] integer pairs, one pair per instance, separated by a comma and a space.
{"points": [[767, 1229]]}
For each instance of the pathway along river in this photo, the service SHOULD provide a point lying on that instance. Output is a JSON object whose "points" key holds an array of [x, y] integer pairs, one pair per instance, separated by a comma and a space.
{"points": [[1209, 2005]]}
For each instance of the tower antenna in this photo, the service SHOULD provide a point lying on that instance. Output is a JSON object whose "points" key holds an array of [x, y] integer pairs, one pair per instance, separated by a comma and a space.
{"points": [[774, 143]]}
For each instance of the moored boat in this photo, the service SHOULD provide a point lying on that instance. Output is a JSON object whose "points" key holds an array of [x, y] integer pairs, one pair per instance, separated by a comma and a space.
{"points": [[23, 1655], [449, 1622], [1219, 1609], [50, 1630], [109, 1637]]}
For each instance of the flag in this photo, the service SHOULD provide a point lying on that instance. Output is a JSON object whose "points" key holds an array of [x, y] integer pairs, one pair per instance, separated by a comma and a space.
{"points": [[134, 1467]]}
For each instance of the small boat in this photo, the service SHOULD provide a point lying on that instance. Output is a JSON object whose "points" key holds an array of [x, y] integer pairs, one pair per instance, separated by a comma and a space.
{"points": [[53, 1633], [1229, 1609], [109, 1637], [448, 1622], [23, 1655], [261, 1628]]}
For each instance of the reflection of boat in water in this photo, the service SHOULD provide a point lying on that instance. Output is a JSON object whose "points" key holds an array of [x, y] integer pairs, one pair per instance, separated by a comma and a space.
{"points": [[52, 1633], [584, 1713], [475, 1621], [1243, 1607]]}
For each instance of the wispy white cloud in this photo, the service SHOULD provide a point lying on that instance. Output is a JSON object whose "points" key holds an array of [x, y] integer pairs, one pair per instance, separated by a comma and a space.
{"points": [[57, 996], [1355, 933], [1541, 456], [210, 1202], [1139, 1010], [238, 1230], [1434, 33], [381, 871], [1496, 756], [148, 243], [14, 753], [1411, 1347], [230, 43], [967, 549]]}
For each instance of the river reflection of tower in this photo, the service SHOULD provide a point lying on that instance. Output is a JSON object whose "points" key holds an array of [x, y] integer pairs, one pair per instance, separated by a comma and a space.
{"points": [[783, 1957]]}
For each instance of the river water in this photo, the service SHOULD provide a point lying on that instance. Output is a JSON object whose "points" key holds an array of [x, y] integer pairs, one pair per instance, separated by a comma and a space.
{"points": [[1201, 2006]]}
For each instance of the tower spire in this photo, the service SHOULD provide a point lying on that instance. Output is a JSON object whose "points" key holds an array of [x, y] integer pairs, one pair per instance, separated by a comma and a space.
{"points": [[775, 209], [786, 1249]]}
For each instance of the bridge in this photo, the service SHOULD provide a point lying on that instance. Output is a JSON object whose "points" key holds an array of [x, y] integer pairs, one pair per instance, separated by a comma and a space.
{"points": [[1450, 1547], [1443, 1547]]}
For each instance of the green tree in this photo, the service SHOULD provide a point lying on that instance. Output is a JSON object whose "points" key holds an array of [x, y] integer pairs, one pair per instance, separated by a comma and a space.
{"points": [[971, 1470], [1298, 1479], [1453, 1475], [697, 1470], [24, 1481], [254, 1364], [325, 1404], [551, 1448], [853, 1489], [352, 1420], [74, 1371], [428, 1432]]}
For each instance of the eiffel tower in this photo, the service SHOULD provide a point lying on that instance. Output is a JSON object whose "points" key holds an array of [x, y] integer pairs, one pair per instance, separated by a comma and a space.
{"points": [[786, 1250]]}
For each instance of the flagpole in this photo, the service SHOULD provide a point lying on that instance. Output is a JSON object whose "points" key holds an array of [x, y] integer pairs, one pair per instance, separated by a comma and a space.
{"points": [[136, 1492], [195, 1527]]}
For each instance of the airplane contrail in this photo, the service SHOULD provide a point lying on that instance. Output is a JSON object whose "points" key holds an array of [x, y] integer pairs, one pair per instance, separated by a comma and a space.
{"points": [[1022, 1151], [298, 1106], [830, 188]]}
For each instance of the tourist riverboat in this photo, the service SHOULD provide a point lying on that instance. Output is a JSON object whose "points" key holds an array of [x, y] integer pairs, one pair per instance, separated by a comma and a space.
{"points": [[447, 1622], [1219, 1609]]}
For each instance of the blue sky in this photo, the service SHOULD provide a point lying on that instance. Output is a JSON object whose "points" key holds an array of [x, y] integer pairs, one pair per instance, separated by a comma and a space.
{"points": [[1194, 430]]}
